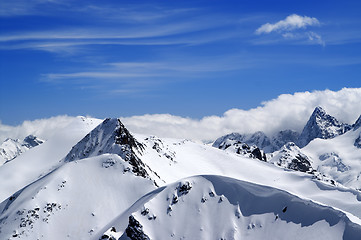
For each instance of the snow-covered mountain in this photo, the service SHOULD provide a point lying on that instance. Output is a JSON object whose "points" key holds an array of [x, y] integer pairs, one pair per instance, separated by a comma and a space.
{"points": [[112, 137], [332, 153], [94, 179], [11, 148], [215, 207], [321, 125], [259, 139]]}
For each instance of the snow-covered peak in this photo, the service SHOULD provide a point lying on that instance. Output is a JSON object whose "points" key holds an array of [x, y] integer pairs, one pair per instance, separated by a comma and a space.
{"points": [[321, 125], [11, 148], [112, 137], [108, 137]]}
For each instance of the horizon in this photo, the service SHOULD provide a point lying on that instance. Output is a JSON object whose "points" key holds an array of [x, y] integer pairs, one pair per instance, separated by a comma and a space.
{"points": [[286, 112], [187, 59]]}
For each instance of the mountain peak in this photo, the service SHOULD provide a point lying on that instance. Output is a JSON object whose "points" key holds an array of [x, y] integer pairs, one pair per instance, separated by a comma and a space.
{"points": [[321, 125], [319, 111], [112, 137]]}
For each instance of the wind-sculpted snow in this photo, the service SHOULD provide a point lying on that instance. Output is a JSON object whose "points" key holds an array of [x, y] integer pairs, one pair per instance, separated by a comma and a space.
{"points": [[215, 207]]}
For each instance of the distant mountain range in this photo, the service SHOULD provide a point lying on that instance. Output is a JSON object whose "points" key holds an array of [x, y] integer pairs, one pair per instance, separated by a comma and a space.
{"points": [[320, 125], [104, 182]]}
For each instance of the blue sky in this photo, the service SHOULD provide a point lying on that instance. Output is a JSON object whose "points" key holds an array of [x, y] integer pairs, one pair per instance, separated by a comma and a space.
{"points": [[185, 58]]}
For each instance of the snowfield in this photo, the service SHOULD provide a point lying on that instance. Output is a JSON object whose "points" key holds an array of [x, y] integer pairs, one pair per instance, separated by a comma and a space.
{"points": [[95, 180]]}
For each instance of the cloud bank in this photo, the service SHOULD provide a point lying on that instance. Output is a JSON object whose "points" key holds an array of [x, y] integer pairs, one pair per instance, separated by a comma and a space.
{"points": [[291, 22], [287, 111]]}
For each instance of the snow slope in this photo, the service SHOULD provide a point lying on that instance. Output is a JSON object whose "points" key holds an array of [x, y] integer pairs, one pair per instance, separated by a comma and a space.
{"points": [[73, 201], [214, 207], [38, 161], [78, 182], [338, 158]]}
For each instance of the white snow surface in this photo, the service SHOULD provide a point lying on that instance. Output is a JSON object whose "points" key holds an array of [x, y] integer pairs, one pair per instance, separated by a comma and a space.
{"points": [[338, 158], [215, 207], [85, 195], [72, 201], [38, 161]]}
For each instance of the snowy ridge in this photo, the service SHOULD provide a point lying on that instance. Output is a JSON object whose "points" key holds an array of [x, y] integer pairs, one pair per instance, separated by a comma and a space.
{"points": [[11, 148], [215, 207]]}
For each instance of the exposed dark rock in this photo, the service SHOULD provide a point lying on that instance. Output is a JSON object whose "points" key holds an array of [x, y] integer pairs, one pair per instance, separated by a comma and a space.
{"points": [[134, 230], [184, 188], [32, 141], [300, 163], [258, 154]]}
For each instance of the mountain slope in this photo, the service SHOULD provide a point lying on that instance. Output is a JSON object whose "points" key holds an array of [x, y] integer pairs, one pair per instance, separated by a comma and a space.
{"points": [[338, 158], [38, 161], [101, 170], [214, 207], [73, 201]]}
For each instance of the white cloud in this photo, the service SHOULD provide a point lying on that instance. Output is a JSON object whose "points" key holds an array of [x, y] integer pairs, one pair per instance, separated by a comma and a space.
{"points": [[287, 111], [290, 23], [43, 128]]}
